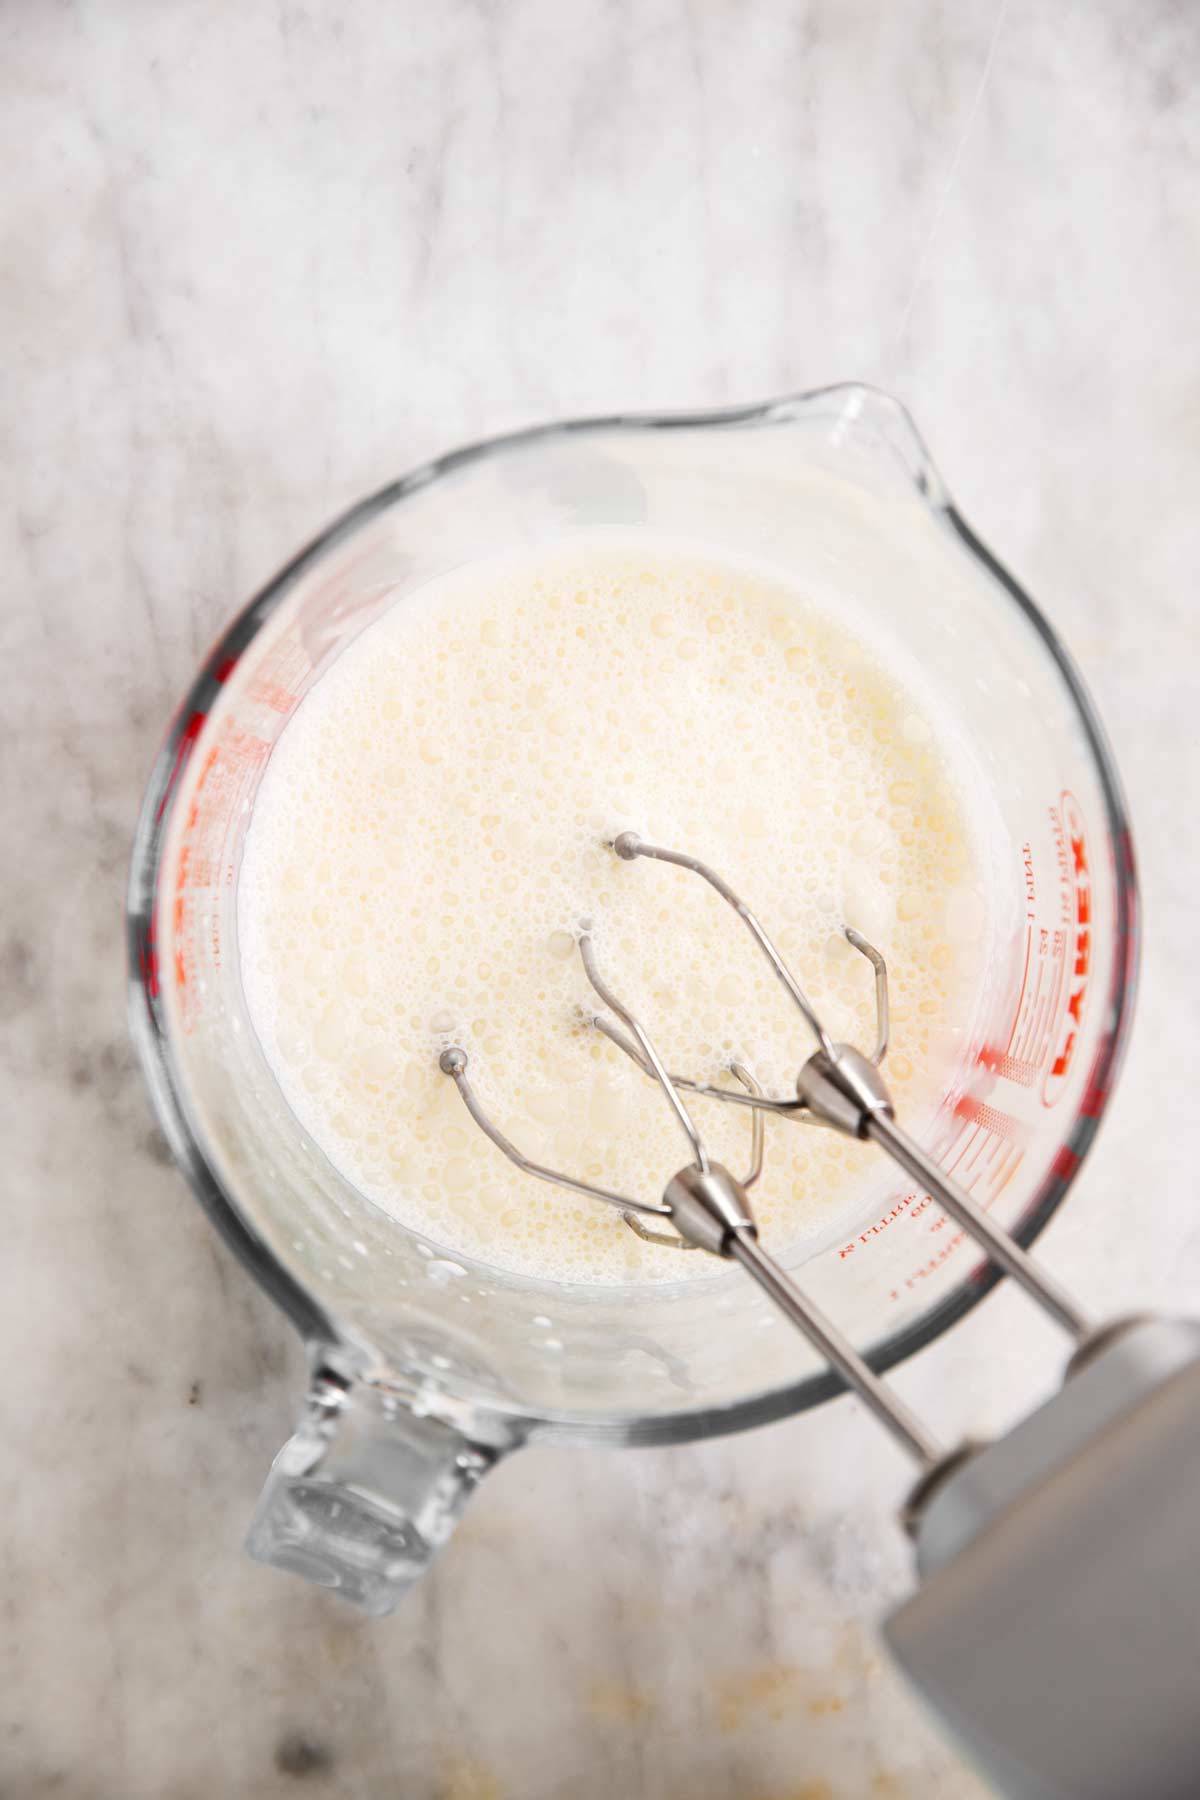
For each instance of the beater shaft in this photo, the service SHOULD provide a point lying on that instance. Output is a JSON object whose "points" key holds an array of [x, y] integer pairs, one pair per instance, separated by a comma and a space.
{"points": [[1002, 1248], [710, 1210], [840, 1087], [837, 1350]]}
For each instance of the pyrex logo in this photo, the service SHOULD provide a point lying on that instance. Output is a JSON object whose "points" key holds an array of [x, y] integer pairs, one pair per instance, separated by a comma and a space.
{"points": [[1075, 891]]}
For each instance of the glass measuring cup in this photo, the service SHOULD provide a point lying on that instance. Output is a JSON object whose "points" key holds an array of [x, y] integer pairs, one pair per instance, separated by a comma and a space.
{"points": [[426, 1366]]}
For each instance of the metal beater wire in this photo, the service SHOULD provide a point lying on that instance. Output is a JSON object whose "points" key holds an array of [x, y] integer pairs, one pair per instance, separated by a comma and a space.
{"points": [[839, 1087], [863, 1107], [686, 1123], [453, 1062], [629, 846]]}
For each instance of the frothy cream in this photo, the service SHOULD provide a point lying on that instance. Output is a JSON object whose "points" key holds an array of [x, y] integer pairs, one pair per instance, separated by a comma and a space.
{"points": [[429, 835]]}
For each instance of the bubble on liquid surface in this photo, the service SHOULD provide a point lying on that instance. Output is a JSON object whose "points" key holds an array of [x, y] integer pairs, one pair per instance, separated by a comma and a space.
{"points": [[430, 836]]}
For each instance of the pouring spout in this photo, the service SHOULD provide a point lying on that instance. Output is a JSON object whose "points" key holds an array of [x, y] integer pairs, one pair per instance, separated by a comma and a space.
{"points": [[867, 426]]}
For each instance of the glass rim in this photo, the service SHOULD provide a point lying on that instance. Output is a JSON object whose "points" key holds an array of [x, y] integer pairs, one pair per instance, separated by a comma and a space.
{"points": [[315, 1324]]}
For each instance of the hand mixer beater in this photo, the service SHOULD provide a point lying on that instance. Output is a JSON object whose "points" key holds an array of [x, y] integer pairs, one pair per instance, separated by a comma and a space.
{"points": [[1053, 1630], [839, 1087]]}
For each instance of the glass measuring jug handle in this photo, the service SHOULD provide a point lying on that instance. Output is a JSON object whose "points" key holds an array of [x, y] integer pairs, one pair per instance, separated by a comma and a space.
{"points": [[365, 1493]]}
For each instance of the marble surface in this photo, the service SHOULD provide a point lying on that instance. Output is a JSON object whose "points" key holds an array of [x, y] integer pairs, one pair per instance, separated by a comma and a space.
{"points": [[261, 255]]}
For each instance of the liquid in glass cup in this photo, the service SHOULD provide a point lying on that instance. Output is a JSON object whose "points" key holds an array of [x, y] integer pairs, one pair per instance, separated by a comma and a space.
{"points": [[431, 1359]]}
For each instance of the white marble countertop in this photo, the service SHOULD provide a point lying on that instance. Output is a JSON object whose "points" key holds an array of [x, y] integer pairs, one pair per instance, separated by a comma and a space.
{"points": [[258, 258]]}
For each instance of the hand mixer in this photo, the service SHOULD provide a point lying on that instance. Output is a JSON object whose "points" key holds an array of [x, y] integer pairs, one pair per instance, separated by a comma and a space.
{"points": [[1056, 1629]]}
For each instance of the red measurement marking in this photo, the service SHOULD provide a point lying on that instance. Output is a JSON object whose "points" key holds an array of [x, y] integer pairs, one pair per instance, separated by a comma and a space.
{"points": [[1005, 1149], [973, 1161], [989, 1149], [1054, 1006], [1078, 907], [1092, 1101], [148, 958], [277, 683], [1010, 1068], [1008, 1159], [872, 1231], [1021, 990], [965, 1143], [280, 699], [935, 1262], [1037, 1007], [1048, 1015], [1065, 1163], [203, 863], [220, 671], [991, 1118], [183, 748]]}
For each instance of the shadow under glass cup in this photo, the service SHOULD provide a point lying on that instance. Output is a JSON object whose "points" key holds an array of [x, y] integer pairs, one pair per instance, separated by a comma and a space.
{"points": [[427, 1365]]}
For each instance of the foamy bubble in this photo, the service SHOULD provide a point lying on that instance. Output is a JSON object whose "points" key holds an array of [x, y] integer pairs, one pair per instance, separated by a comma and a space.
{"points": [[429, 838]]}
